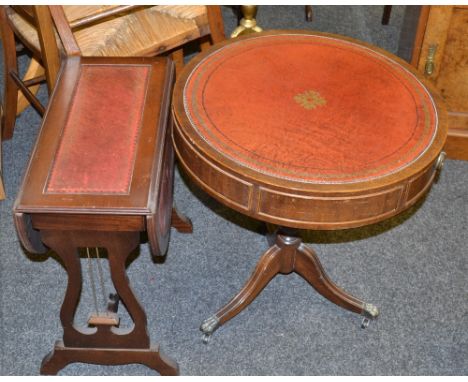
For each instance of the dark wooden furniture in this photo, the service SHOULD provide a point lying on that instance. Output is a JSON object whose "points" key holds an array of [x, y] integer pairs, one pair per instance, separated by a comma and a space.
{"points": [[387, 11], [101, 173], [100, 30], [441, 54], [306, 131]]}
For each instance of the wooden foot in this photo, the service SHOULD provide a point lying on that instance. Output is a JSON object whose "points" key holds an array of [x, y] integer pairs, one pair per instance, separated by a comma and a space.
{"points": [[180, 222], [288, 254], [62, 356]]}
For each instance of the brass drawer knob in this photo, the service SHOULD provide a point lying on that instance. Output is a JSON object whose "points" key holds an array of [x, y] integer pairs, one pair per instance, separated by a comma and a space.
{"points": [[440, 161], [430, 66]]}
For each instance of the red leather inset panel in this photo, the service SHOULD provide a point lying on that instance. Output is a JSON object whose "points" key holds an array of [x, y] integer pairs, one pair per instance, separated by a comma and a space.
{"points": [[98, 145], [310, 108]]}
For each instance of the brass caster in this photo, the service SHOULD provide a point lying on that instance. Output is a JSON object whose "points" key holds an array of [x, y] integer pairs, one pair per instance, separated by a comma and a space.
{"points": [[206, 338], [440, 161], [208, 327], [365, 323], [370, 312]]}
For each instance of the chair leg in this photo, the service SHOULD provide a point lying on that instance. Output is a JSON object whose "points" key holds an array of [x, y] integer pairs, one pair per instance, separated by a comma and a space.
{"points": [[205, 43], [216, 23], [309, 13], [10, 94], [178, 58], [386, 14], [34, 70]]}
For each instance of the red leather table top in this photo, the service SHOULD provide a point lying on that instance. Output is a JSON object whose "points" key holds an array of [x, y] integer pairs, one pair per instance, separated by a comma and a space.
{"points": [[102, 135], [310, 108], [97, 150]]}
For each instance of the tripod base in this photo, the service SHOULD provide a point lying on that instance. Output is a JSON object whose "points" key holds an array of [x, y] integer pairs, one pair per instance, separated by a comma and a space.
{"points": [[288, 254]]}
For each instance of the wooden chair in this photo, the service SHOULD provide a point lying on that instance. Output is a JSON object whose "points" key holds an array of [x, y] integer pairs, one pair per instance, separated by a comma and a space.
{"points": [[100, 30]]}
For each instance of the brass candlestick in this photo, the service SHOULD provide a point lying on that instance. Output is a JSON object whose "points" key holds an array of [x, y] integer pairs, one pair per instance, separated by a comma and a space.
{"points": [[248, 24]]}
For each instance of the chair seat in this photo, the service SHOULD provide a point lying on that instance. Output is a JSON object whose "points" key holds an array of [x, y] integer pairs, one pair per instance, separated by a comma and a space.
{"points": [[142, 32]]}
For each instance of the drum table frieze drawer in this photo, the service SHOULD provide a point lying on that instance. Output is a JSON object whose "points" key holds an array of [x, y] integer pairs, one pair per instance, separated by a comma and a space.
{"points": [[100, 174], [306, 131]]}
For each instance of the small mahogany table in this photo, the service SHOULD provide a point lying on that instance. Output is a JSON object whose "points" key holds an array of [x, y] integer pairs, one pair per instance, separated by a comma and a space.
{"points": [[101, 173], [306, 131]]}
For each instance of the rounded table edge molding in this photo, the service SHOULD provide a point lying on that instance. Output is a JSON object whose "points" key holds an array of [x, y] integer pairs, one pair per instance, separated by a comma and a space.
{"points": [[300, 204]]}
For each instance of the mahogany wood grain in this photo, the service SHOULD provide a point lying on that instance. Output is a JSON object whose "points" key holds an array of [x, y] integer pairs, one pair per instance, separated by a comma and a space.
{"points": [[288, 201], [288, 254], [69, 42], [153, 358], [316, 205], [63, 213], [149, 140], [106, 344]]}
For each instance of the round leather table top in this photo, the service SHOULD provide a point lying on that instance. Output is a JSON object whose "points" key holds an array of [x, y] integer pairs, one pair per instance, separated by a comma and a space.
{"points": [[308, 130], [310, 108]]}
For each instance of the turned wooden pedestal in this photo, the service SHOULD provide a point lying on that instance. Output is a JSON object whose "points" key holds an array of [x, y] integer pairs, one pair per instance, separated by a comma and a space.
{"points": [[101, 174], [287, 254], [307, 131]]}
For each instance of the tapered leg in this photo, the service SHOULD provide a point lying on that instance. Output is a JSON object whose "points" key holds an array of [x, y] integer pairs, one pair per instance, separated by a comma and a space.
{"points": [[309, 267], [286, 255], [268, 266]]}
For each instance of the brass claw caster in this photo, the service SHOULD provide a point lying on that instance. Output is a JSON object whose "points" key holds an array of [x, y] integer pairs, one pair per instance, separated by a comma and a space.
{"points": [[370, 312], [206, 338], [365, 323], [208, 327]]}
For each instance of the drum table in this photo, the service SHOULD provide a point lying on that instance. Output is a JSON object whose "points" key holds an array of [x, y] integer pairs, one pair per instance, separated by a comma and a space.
{"points": [[101, 173], [306, 131]]}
